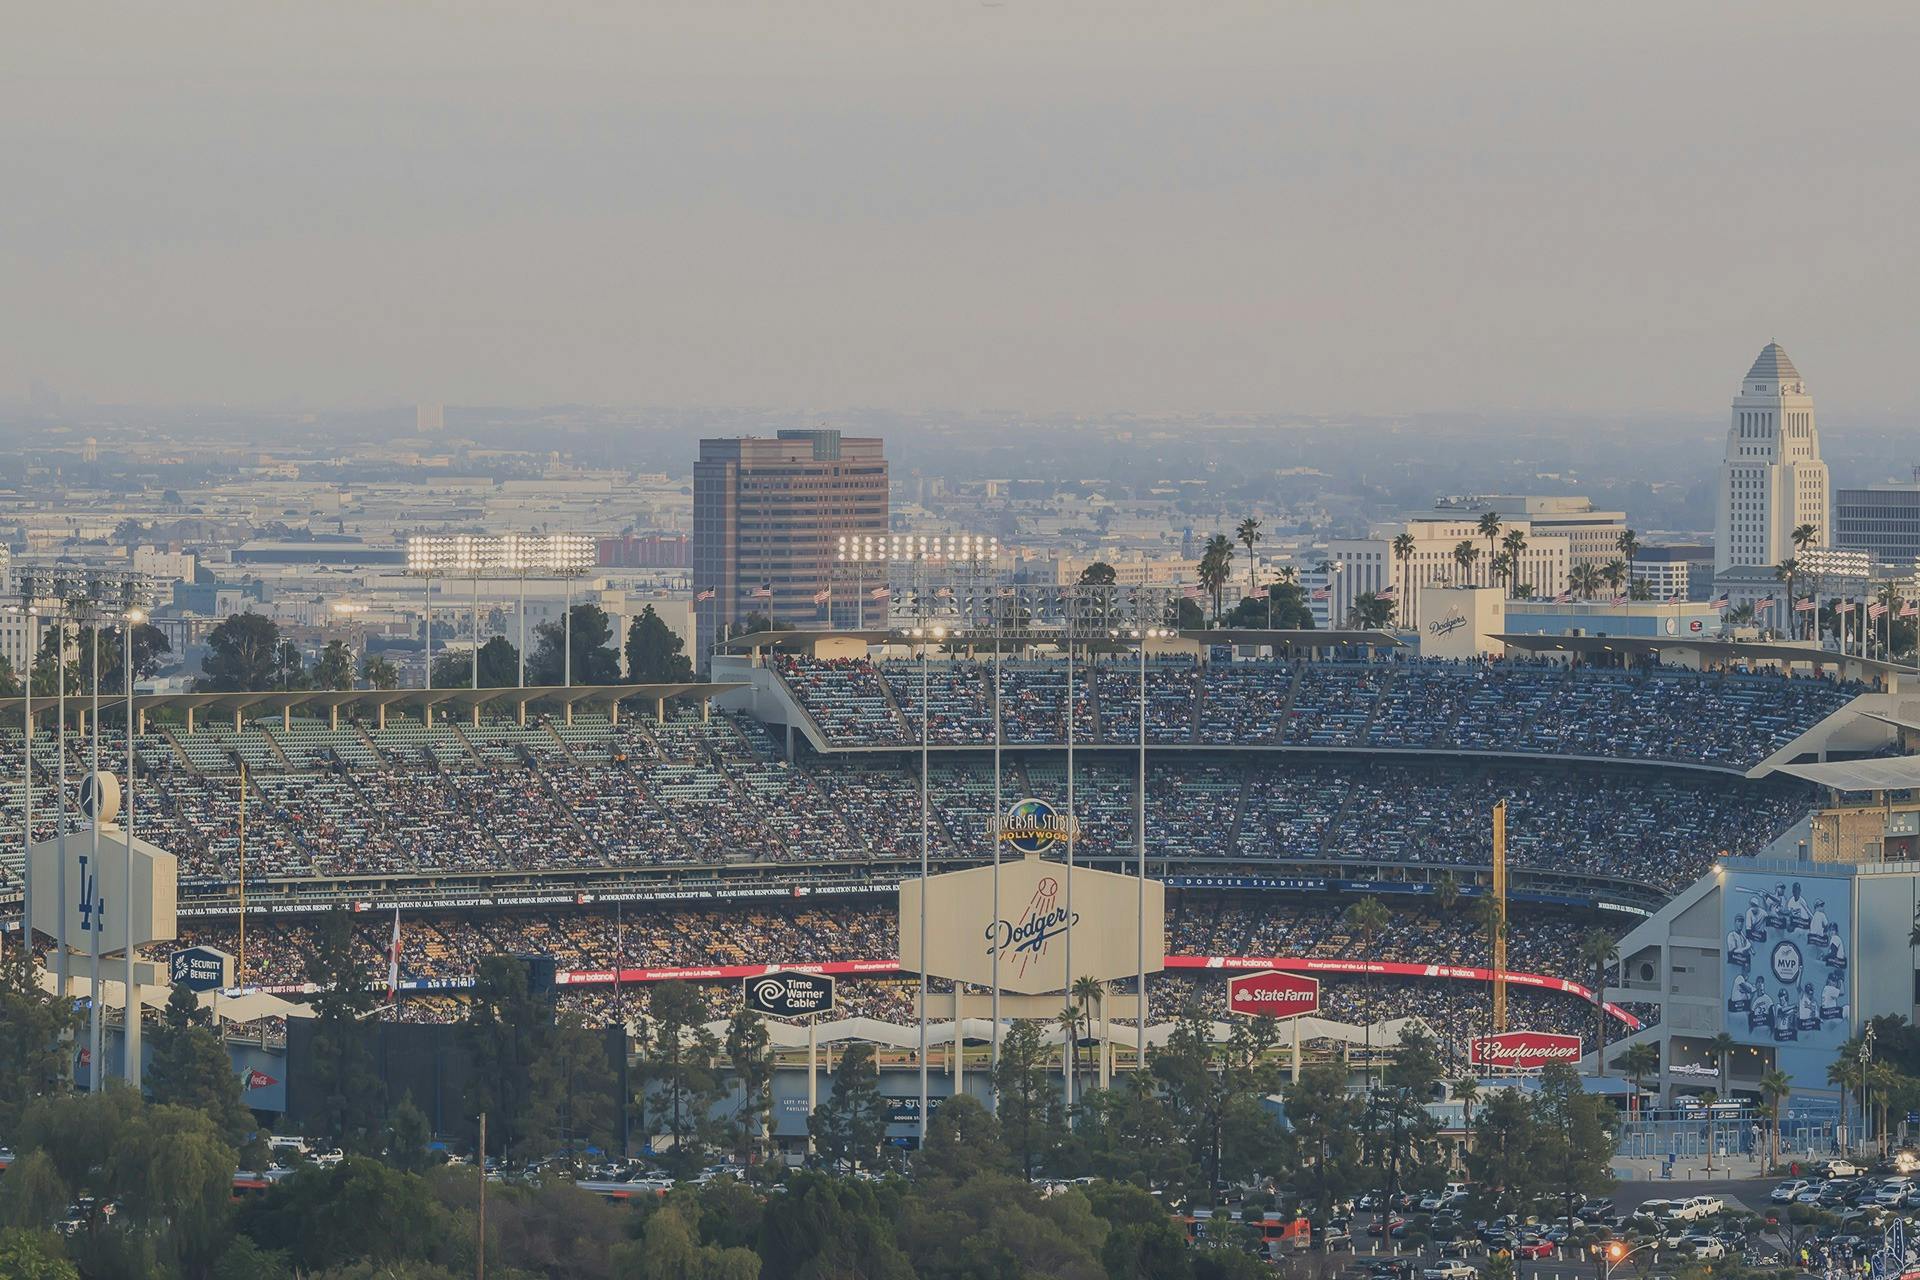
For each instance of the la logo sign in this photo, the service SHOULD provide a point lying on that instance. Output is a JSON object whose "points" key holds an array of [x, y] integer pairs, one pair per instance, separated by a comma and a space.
{"points": [[1523, 1050], [1273, 995]]}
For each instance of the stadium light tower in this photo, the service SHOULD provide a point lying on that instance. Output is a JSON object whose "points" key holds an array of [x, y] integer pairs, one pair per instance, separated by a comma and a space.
{"points": [[500, 556], [29, 615], [130, 1030], [927, 636]]}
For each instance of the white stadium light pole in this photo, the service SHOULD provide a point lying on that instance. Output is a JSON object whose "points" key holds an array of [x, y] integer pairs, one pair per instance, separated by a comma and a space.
{"points": [[429, 636], [1140, 872], [999, 810], [64, 966], [923, 635], [131, 1028], [1071, 1043], [95, 907], [30, 622]]}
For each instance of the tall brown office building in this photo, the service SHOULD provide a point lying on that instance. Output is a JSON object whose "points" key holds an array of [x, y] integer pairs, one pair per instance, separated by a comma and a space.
{"points": [[766, 514]]}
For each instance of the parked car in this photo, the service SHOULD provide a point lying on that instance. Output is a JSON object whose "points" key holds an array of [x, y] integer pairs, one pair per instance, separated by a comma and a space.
{"points": [[1458, 1247], [1393, 1222], [1335, 1238], [1704, 1248], [1535, 1247], [1594, 1210], [1893, 1192], [1786, 1192], [1449, 1269], [1838, 1169]]}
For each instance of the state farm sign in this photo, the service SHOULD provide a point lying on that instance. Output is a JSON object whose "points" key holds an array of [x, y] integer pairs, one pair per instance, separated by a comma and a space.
{"points": [[1523, 1050], [1273, 995]]}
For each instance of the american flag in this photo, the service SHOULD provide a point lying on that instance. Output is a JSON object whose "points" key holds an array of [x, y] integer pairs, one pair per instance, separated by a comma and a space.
{"points": [[1565, 597], [1806, 606], [393, 959], [704, 595], [944, 593], [763, 593], [1762, 604], [1319, 593], [1907, 610], [1876, 611], [1619, 600], [821, 597], [1388, 593], [1719, 602], [880, 593], [1193, 593]]}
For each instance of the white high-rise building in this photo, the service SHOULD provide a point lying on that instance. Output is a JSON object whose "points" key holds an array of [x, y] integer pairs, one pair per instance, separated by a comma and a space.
{"points": [[1772, 480]]}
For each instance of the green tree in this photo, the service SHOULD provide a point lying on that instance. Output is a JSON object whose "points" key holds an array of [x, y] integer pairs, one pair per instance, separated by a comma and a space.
{"points": [[1722, 1045], [1628, 544], [1326, 1129], [1144, 1241], [1214, 1096], [333, 669], [995, 1225], [594, 659], [1369, 919], [34, 1255], [1098, 574], [503, 1038], [1370, 611], [1412, 1134], [358, 1210], [499, 667], [379, 673], [1501, 1158], [1514, 544], [1216, 566], [190, 1068], [33, 1025], [339, 1067], [1464, 556], [654, 652], [1489, 526], [572, 1085], [1575, 1134], [242, 655], [1027, 1104], [749, 1050], [289, 668], [1637, 1063], [826, 1228], [408, 1137], [670, 1249], [1248, 533], [1598, 951], [850, 1125], [679, 1069]]}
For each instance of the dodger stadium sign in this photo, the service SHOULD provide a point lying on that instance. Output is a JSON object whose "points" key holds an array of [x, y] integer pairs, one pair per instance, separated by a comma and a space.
{"points": [[1028, 933]]}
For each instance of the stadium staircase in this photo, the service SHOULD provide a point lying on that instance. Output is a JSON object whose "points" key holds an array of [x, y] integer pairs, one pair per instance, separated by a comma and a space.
{"points": [[565, 810], [1373, 712], [893, 705], [566, 752], [466, 744], [1293, 693], [276, 749], [1239, 811], [173, 745]]}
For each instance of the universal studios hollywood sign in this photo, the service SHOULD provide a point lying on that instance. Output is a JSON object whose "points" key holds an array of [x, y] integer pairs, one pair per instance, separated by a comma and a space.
{"points": [[1024, 935]]}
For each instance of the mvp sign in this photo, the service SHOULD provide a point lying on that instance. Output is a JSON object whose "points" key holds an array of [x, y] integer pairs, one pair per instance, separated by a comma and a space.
{"points": [[1273, 995], [1523, 1050]]}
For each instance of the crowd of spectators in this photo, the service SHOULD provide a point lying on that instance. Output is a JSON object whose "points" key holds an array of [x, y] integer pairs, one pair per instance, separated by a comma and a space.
{"points": [[1730, 720]]}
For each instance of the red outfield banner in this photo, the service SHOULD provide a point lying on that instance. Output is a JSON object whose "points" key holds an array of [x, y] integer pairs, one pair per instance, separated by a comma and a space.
{"points": [[1272, 994], [1523, 1050], [1290, 964]]}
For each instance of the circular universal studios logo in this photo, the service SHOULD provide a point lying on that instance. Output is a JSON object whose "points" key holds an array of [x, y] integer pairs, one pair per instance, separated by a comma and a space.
{"points": [[1786, 962], [1032, 827]]}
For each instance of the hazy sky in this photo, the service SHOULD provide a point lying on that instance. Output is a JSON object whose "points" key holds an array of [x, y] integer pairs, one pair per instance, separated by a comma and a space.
{"points": [[1321, 206]]}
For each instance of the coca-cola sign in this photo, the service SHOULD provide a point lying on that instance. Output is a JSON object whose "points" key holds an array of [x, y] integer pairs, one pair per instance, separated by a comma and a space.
{"points": [[1523, 1050], [1273, 994]]}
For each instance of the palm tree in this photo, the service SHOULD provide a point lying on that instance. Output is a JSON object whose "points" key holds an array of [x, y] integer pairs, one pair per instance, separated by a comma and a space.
{"points": [[1774, 1088], [1598, 951], [1585, 579], [1514, 543], [1637, 1063], [1723, 1046], [1786, 571], [1216, 563], [1249, 533], [1802, 537], [1489, 526], [1845, 1073], [1446, 892], [1629, 546], [1403, 547], [1088, 994], [1501, 567], [1740, 615], [1368, 919], [1069, 1024], [1467, 1089], [1464, 554], [1615, 573]]}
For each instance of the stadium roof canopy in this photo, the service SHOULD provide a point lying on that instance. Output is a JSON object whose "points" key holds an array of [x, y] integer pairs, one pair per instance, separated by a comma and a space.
{"points": [[1880, 773], [1715, 652], [325, 700], [1280, 638]]}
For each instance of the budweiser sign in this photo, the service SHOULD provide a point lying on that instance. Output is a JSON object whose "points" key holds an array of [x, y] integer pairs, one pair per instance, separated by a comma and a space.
{"points": [[1273, 994], [1523, 1050]]}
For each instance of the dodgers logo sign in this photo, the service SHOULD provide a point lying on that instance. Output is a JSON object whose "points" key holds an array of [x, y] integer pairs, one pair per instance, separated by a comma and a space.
{"points": [[1025, 938]]}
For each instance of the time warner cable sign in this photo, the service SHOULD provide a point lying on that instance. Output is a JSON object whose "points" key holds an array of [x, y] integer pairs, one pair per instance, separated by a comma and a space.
{"points": [[786, 993], [1027, 933]]}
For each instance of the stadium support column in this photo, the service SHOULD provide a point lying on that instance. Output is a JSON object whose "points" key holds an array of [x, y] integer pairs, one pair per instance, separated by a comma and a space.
{"points": [[1140, 872], [959, 1046], [1500, 917], [426, 628], [96, 1027], [64, 964], [925, 835], [1071, 1043], [813, 1075], [1295, 1020], [30, 621], [994, 832], [523, 647], [566, 647], [131, 1028]]}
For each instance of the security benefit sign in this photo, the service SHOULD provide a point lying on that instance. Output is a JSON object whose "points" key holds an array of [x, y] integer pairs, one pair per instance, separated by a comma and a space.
{"points": [[1022, 940], [1787, 961], [1273, 994], [200, 969], [1523, 1050], [786, 993]]}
